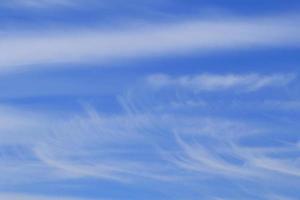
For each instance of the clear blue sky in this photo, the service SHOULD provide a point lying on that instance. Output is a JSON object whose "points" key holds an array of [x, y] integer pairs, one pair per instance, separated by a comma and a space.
{"points": [[149, 99]]}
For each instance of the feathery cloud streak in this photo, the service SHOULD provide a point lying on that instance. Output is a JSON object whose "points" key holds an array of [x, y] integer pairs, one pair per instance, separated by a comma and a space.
{"points": [[152, 141], [34, 197], [68, 145], [215, 82], [19, 49], [39, 3]]}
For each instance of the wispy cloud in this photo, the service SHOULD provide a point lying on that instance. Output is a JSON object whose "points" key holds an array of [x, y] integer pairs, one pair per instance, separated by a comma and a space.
{"points": [[155, 142], [202, 35], [286, 105], [39, 4], [66, 149], [12, 196], [279, 197], [216, 82], [67, 146]]}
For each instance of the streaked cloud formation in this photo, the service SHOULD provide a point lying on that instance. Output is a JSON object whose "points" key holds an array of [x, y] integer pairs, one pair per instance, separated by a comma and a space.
{"points": [[215, 82], [175, 143], [149, 99], [38, 4], [31, 197], [204, 35]]}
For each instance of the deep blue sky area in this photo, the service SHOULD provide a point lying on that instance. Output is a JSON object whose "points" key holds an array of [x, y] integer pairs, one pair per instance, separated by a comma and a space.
{"points": [[149, 99], [114, 13]]}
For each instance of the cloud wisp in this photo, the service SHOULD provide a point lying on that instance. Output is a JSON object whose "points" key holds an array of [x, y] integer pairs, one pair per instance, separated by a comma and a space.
{"points": [[39, 4], [12, 196], [204, 35], [219, 82], [154, 142]]}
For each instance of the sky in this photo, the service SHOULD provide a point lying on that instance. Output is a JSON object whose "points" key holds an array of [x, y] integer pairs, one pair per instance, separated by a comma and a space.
{"points": [[149, 99]]}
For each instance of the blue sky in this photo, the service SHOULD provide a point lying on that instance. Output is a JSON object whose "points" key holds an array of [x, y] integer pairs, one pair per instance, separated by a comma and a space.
{"points": [[160, 99]]}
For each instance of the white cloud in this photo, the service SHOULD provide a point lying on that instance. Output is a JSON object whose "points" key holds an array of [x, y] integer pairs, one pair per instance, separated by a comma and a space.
{"points": [[279, 197], [39, 4], [215, 82], [106, 45], [10, 196], [67, 149], [148, 144], [285, 105]]}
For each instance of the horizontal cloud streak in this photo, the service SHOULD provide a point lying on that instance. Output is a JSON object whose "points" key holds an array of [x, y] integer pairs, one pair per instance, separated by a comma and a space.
{"points": [[216, 82], [34, 197], [197, 35], [38, 4], [155, 140]]}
